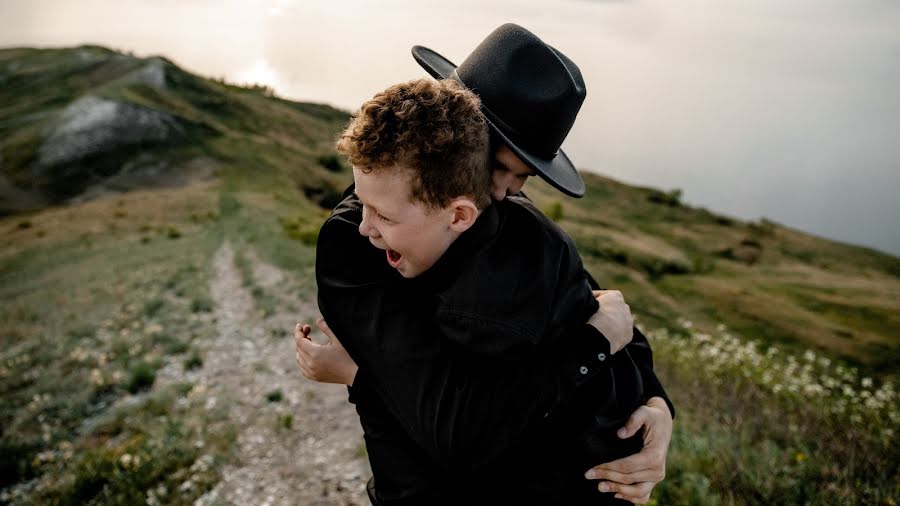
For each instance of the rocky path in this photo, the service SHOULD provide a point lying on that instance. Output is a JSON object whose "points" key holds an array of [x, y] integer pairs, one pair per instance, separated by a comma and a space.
{"points": [[298, 442]]}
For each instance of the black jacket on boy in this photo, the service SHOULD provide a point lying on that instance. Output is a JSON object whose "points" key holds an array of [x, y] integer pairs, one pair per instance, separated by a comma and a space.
{"points": [[479, 382]]}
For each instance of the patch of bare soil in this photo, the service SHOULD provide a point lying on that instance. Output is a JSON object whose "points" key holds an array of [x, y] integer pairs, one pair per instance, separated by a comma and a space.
{"points": [[299, 442]]}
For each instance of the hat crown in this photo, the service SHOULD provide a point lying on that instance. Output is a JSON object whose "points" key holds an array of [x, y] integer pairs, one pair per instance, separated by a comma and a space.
{"points": [[531, 91], [530, 94]]}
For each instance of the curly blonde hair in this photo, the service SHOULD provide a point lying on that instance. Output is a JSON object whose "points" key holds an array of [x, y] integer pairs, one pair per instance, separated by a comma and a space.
{"points": [[434, 128]]}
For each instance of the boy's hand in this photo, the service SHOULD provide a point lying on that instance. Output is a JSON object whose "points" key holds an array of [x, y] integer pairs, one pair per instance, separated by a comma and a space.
{"points": [[325, 363], [613, 319], [632, 478]]}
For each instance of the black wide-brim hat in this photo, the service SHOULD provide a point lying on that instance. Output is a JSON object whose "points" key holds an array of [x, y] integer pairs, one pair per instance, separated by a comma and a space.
{"points": [[530, 94]]}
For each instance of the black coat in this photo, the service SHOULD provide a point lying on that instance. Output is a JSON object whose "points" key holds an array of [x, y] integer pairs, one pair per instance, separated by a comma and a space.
{"points": [[482, 364]]}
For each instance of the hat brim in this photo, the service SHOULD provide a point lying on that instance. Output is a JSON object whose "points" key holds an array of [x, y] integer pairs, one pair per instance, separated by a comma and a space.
{"points": [[558, 171], [436, 65]]}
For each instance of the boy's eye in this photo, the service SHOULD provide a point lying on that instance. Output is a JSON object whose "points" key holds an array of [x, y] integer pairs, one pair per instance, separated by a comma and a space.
{"points": [[382, 217]]}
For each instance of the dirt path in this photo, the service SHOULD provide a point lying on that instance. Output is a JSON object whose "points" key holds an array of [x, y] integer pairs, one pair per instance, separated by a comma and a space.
{"points": [[307, 447]]}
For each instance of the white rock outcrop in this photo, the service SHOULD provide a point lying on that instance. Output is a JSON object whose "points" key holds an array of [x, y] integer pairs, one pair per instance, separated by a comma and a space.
{"points": [[93, 125]]}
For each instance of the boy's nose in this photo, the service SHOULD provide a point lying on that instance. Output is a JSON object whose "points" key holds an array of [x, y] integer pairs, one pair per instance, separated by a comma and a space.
{"points": [[366, 228]]}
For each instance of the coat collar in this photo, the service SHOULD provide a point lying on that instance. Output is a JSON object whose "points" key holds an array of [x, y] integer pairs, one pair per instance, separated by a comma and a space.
{"points": [[463, 249]]}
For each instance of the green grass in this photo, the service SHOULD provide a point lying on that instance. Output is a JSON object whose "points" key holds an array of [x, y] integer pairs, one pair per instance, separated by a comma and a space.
{"points": [[87, 324], [762, 425], [286, 421], [194, 361], [157, 450], [142, 376], [97, 297]]}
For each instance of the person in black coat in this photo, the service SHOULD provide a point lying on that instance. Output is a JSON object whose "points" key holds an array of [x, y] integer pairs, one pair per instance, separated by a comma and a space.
{"points": [[507, 356]]}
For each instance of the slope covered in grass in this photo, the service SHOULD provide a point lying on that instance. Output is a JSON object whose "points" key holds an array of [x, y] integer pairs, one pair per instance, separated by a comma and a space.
{"points": [[106, 267]]}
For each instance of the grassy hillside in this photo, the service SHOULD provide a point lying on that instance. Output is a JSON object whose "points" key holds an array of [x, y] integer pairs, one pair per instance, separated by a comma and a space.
{"points": [[761, 279], [108, 312], [259, 140]]}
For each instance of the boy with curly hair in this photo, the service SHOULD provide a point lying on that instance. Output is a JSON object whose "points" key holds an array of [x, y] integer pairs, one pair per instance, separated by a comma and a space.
{"points": [[458, 313]]}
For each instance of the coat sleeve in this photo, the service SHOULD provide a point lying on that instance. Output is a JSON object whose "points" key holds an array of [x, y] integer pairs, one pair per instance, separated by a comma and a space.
{"points": [[642, 355]]}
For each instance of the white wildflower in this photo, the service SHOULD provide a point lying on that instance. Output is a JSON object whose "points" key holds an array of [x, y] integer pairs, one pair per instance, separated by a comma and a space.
{"points": [[96, 377], [126, 460], [812, 389]]}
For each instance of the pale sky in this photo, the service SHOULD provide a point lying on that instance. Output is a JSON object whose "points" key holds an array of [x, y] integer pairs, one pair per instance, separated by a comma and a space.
{"points": [[787, 110]]}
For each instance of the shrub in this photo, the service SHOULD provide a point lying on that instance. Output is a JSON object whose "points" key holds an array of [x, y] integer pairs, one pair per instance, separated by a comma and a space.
{"points": [[202, 304], [142, 376], [176, 346], [308, 235], [15, 459], [299, 230], [671, 198], [656, 268], [724, 221], [325, 196], [82, 329], [194, 361], [135, 473], [554, 211], [763, 227], [747, 251], [152, 307], [331, 163]]}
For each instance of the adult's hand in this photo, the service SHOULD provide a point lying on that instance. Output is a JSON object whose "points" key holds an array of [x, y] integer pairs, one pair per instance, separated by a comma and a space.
{"points": [[613, 319], [325, 363], [632, 478]]}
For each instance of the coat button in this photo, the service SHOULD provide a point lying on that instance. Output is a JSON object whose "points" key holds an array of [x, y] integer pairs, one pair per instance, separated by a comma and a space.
{"points": [[583, 370], [601, 356]]}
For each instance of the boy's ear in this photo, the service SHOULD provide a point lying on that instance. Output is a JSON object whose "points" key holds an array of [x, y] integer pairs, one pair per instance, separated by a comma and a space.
{"points": [[465, 212]]}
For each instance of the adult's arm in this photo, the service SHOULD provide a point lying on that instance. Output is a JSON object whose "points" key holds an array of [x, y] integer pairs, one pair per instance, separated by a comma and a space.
{"points": [[642, 354]]}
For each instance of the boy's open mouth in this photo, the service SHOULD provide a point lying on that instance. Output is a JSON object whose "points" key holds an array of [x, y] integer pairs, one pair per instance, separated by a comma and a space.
{"points": [[393, 258]]}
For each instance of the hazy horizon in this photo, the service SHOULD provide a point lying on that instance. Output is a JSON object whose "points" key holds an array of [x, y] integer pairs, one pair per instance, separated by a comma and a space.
{"points": [[753, 109]]}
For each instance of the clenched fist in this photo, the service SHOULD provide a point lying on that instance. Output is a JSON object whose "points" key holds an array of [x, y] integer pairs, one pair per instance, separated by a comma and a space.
{"points": [[325, 363]]}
